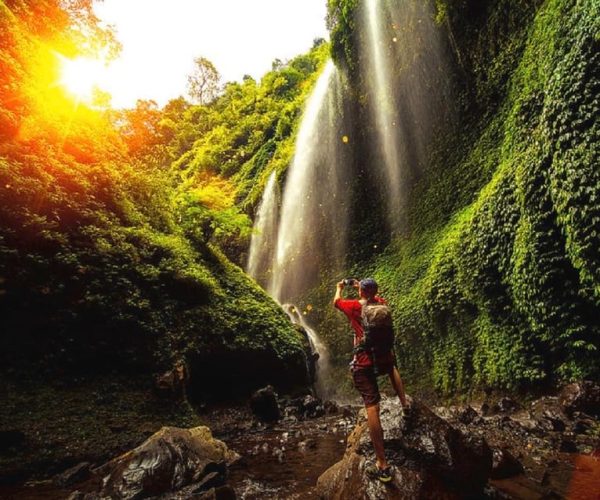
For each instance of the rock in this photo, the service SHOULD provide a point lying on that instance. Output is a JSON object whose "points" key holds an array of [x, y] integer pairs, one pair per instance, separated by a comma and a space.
{"points": [[581, 396], [312, 407], [567, 445], [264, 406], [549, 414], [331, 407], [431, 459], [583, 423], [504, 464], [168, 461], [506, 405], [221, 493], [467, 415], [485, 409], [195, 492], [348, 412], [172, 383], [75, 474]]}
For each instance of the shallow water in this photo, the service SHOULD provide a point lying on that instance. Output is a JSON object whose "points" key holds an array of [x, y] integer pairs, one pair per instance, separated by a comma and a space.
{"points": [[286, 460]]}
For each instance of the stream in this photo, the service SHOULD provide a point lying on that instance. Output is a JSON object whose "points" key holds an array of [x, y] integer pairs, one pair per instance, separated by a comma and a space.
{"points": [[283, 460]]}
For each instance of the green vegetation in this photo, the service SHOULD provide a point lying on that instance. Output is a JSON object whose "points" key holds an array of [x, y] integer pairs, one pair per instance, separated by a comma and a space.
{"points": [[114, 231], [497, 281]]}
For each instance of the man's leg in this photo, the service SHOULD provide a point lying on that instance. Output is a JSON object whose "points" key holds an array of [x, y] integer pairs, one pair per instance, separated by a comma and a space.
{"points": [[366, 383], [398, 386], [376, 433]]}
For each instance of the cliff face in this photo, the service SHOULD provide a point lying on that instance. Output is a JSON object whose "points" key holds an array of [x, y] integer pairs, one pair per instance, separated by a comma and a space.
{"points": [[496, 281]]}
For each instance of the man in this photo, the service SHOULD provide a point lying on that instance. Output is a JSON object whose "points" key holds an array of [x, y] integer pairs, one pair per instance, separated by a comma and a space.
{"points": [[363, 373]]}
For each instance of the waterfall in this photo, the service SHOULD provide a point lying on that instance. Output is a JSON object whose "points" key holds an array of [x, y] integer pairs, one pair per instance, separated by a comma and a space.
{"points": [[310, 235], [264, 233], [314, 218], [317, 346], [384, 109], [406, 77]]}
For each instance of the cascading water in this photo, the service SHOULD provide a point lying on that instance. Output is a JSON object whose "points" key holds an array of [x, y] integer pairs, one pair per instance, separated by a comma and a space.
{"points": [[314, 221], [317, 346], [384, 109], [265, 233], [311, 234], [406, 77]]}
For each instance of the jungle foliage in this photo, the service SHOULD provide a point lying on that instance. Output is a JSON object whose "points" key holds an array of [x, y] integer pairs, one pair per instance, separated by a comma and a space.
{"points": [[497, 280], [113, 223]]}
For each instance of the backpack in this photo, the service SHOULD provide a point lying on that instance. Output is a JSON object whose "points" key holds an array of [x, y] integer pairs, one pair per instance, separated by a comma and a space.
{"points": [[377, 324]]}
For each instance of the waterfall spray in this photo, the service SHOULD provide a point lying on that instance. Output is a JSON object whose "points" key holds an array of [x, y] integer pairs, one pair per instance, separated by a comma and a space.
{"points": [[264, 233], [384, 110], [407, 78], [312, 227]]}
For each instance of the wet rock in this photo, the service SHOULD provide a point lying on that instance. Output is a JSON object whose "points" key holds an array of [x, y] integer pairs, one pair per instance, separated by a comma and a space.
{"points": [[264, 406], [467, 415], [348, 412], [310, 406], [198, 492], [221, 493], [582, 423], [485, 409], [331, 407], [567, 445], [431, 459], [581, 396], [504, 464], [75, 474], [506, 405], [168, 461], [549, 414]]}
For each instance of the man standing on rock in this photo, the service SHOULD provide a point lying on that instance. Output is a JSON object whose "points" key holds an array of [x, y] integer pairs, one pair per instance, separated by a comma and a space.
{"points": [[365, 371]]}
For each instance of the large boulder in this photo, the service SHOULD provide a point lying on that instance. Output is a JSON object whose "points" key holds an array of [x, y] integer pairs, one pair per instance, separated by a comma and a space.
{"points": [[430, 459], [166, 462]]}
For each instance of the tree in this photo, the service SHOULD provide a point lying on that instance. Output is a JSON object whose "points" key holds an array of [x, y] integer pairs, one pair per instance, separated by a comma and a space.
{"points": [[203, 83]]}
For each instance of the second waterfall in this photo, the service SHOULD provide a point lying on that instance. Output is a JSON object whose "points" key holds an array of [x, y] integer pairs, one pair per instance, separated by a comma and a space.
{"points": [[310, 236]]}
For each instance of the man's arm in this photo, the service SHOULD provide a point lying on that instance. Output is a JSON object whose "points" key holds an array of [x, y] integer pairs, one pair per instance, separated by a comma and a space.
{"points": [[338, 292]]}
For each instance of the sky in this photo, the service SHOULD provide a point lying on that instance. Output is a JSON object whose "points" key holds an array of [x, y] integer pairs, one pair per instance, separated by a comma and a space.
{"points": [[161, 38]]}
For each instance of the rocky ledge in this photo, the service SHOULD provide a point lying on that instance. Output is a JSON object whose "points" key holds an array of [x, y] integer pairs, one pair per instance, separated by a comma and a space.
{"points": [[430, 459]]}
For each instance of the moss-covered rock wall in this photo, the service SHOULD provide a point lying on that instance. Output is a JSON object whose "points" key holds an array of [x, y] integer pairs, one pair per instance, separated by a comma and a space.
{"points": [[496, 281]]}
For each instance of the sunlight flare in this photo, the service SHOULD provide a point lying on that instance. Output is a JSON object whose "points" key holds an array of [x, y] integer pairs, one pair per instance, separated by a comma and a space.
{"points": [[81, 77]]}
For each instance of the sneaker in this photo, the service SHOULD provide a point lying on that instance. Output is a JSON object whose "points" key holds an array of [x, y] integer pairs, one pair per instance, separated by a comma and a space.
{"points": [[383, 475]]}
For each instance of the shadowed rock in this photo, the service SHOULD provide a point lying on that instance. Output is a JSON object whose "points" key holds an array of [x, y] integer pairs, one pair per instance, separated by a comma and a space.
{"points": [[166, 462], [467, 415], [73, 475], [581, 396], [430, 459], [505, 464], [264, 406]]}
